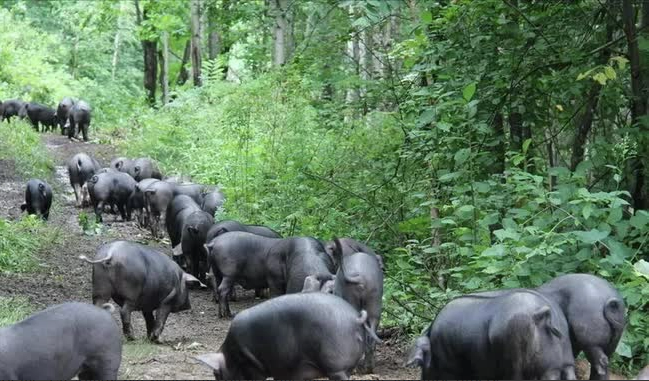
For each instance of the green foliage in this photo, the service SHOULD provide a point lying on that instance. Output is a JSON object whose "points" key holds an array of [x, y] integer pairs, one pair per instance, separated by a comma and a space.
{"points": [[277, 163], [13, 310], [22, 241], [22, 145], [89, 225]]}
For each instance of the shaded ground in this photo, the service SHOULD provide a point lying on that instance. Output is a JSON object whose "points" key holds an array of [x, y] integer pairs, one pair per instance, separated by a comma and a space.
{"points": [[65, 278]]}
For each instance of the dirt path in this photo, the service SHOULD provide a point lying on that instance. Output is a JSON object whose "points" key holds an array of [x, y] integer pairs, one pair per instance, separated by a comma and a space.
{"points": [[65, 278]]}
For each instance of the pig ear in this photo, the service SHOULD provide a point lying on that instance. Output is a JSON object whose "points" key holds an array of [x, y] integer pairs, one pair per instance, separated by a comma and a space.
{"points": [[119, 164], [178, 250], [136, 169], [41, 188], [311, 284], [215, 361], [543, 317]]}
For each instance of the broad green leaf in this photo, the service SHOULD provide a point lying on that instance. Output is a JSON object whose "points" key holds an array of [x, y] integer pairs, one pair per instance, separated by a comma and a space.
{"points": [[591, 236], [426, 117], [526, 145], [461, 156], [642, 268], [600, 78], [468, 91], [426, 17], [504, 234], [610, 72], [640, 219], [623, 349], [614, 216], [587, 210], [465, 211], [618, 252], [621, 61]]}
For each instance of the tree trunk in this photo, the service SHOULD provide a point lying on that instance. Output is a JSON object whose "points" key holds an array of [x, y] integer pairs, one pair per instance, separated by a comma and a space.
{"points": [[213, 41], [290, 29], [195, 50], [183, 74], [150, 58], [280, 29], [115, 55], [164, 77], [515, 131], [499, 148], [353, 54], [638, 105], [586, 121]]}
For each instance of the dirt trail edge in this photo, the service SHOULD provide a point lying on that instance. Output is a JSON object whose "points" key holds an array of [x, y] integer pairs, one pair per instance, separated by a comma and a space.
{"points": [[66, 278]]}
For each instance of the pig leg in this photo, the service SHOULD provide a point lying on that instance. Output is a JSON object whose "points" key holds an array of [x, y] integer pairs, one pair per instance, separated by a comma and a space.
{"points": [[122, 212], [99, 207], [224, 292], [77, 194], [84, 130], [161, 315], [215, 284], [598, 363], [150, 322], [125, 313], [84, 195]]}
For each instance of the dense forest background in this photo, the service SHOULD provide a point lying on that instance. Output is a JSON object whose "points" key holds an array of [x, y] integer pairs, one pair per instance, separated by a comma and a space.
{"points": [[475, 144]]}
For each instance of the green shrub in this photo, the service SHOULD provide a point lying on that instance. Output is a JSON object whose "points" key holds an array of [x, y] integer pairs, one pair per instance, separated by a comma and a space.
{"points": [[23, 145], [21, 242]]}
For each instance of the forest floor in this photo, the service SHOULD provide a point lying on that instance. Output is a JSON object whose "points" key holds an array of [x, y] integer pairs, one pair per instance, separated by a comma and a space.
{"points": [[63, 277]]}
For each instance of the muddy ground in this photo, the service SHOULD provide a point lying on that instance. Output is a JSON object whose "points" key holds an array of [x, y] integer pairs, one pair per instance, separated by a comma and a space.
{"points": [[65, 278]]}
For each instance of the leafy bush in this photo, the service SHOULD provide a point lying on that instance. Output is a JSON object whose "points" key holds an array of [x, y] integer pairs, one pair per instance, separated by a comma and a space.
{"points": [[21, 241], [279, 162], [23, 145]]}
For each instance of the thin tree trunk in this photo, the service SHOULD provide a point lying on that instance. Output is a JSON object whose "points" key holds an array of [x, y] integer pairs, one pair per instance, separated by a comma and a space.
{"points": [[115, 55], [280, 28], [213, 40], [353, 54], [638, 103], [195, 51], [290, 29], [183, 74], [499, 148], [150, 58], [164, 78], [515, 131]]}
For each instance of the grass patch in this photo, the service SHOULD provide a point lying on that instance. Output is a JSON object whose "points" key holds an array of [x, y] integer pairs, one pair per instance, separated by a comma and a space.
{"points": [[134, 352], [13, 310], [23, 145], [21, 241]]}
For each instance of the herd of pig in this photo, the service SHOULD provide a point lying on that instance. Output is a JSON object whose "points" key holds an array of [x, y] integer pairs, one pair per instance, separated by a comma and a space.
{"points": [[70, 115], [325, 300]]}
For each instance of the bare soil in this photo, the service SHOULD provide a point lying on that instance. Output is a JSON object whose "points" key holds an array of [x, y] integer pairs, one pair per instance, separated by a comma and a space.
{"points": [[64, 277]]}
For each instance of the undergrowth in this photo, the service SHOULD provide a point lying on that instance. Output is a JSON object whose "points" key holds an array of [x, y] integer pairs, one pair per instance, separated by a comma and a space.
{"points": [[21, 242], [13, 309], [22, 144]]}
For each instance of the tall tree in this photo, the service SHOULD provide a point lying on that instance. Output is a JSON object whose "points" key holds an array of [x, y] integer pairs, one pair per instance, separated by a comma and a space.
{"points": [[195, 51], [164, 75], [149, 48], [281, 29], [639, 97]]}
